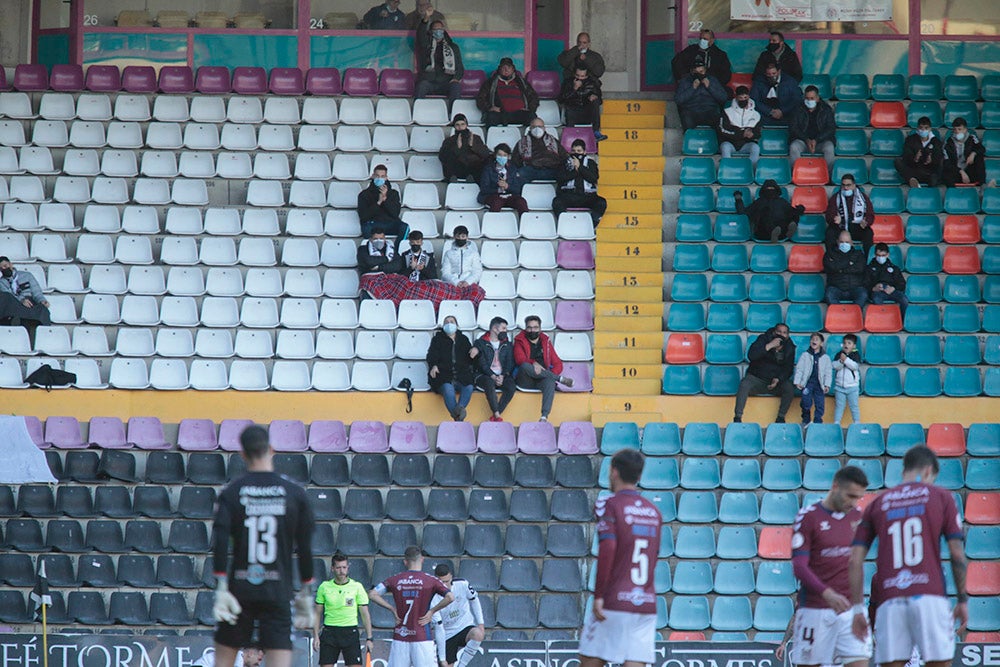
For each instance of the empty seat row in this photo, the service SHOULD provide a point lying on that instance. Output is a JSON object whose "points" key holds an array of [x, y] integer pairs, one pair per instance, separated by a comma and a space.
{"points": [[108, 190], [899, 87]]}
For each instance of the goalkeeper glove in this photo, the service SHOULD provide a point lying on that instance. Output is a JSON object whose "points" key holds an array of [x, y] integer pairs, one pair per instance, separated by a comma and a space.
{"points": [[226, 608]]}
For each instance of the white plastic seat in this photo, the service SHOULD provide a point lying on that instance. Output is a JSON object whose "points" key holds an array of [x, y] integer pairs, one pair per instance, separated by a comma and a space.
{"points": [[62, 309], [100, 309], [548, 111], [124, 135], [303, 283], [218, 251], [265, 193], [132, 107], [338, 314], [107, 280], [330, 376], [10, 373], [377, 314], [134, 342], [498, 255], [307, 194], [395, 165], [350, 167], [462, 197], [305, 222], [254, 344], [260, 222], [467, 219], [535, 285], [290, 376], [393, 111], [14, 341], [15, 105], [390, 139], [575, 225], [36, 160], [340, 283], [320, 111], [133, 250], [119, 163], [129, 374], [33, 364], [224, 281], [354, 139], [159, 164], [469, 108], [174, 343], [187, 281], [318, 138], [488, 309], [71, 190], [538, 226], [57, 217], [94, 249], [208, 109], [50, 133], [248, 375], [147, 280], [426, 139], [412, 345], [239, 137], [537, 255], [357, 111], [66, 279], [219, 311], [15, 247], [503, 134], [179, 251], [414, 371], [85, 134], [53, 341], [259, 313], [282, 110], [342, 223], [373, 345], [87, 372], [275, 138], [171, 108], [539, 196], [8, 161], [498, 284], [421, 196], [313, 167], [140, 311], [370, 376], [179, 311], [265, 282], [48, 248], [243, 109], [543, 309], [109, 190], [164, 136], [209, 375], [335, 345], [430, 112], [344, 195], [168, 374], [151, 191], [425, 168], [236, 166], [256, 252], [463, 312], [57, 106], [12, 133], [300, 252], [214, 344], [20, 217], [136, 219], [196, 164], [337, 253], [416, 314], [201, 136], [93, 106], [295, 345], [423, 221], [500, 225], [188, 192]]}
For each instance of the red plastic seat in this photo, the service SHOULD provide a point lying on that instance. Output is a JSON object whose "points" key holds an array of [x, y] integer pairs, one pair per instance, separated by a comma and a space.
{"points": [[107, 79], [175, 79], [688, 636], [775, 542], [545, 83], [983, 507], [813, 198], [810, 171], [961, 259], [961, 229], [213, 80], [396, 83], [361, 81], [286, 81], [806, 259], [250, 81], [843, 318], [888, 229], [31, 78], [740, 79], [883, 318], [888, 114], [135, 79], [324, 81], [946, 439], [982, 637], [685, 349], [984, 578], [66, 78]]}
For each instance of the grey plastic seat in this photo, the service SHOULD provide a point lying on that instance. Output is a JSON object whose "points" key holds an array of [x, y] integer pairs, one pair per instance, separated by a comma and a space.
{"points": [[364, 505], [447, 505], [325, 503], [105, 536], [529, 505], [411, 470], [562, 575], [524, 541], [144, 537], [65, 535], [96, 570], [480, 573], [493, 471], [452, 470], [575, 472], [405, 505], [165, 468], [59, 570], [169, 609], [87, 607], [571, 505], [519, 576], [188, 537], [206, 468], [393, 538], [136, 571], [356, 539], [176, 572], [441, 540], [370, 470], [152, 501], [567, 540], [534, 471], [129, 608], [488, 505], [329, 470], [16, 570], [483, 541], [36, 500], [196, 502], [113, 501]]}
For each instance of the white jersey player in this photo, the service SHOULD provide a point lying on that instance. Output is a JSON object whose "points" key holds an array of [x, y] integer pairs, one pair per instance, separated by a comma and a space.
{"points": [[462, 620]]}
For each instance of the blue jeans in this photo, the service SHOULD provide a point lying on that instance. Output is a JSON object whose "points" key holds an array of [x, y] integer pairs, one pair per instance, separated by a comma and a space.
{"points": [[878, 298], [813, 397], [858, 295], [750, 148], [448, 391], [849, 397]]}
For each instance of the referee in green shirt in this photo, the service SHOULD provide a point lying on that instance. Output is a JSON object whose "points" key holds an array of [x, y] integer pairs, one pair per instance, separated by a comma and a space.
{"points": [[337, 604]]}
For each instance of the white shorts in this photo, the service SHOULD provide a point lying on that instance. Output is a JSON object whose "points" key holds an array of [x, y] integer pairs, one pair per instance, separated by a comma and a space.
{"points": [[412, 654], [922, 621], [824, 637], [621, 636]]}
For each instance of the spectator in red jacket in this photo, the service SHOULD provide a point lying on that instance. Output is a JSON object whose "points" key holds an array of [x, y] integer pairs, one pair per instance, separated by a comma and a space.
{"points": [[538, 365]]}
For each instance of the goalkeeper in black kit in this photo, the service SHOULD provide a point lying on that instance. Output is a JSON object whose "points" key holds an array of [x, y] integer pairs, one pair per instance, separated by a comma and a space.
{"points": [[265, 517]]}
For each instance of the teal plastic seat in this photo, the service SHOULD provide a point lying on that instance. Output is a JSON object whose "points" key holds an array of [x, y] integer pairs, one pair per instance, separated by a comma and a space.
{"points": [[773, 141], [983, 542], [686, 317], [818, 474], [991, 201], [991, 228], [691, 257], [924, 87], [781, 474], [961, 87], [681, 380], [661, 439], [659, 473], [666, 544], [739, 507], [762, 316], [883, 172], [851, 141], [983, 614], [991, 381], [730, 259], [922, 319], [730, 637], [731, 228], [963, 318], [823, 83], [951, 476], [962, 382], [888, 87], [924, 200], [743, 440], [783, 440], [990, 118], [864, 439], [775, 577], [772, 613], [961, 289], [961, 351], [725, 202], [695, 542], [991, 142], [702, 439], [779, 507], [850, 165], [741, 474], [922, 351], [693, 578], [725, 317], [851, 87], [812, 229], [700, 141], [804, 317], [700, 474], [604, 479], [724, 349], [900, 437], [824, 440], [886, 142], [887, 200], [689, 613], [697, 507], [734, 578], [697, 171], [776, 168], [983, 440], [873, 471], [883, 349], [883, 382], [619, 435], [731, 614], [664, 501], [769, 259], [693, 228], [689, 287], [961, 201], [990, 87], [728, 288], [735, 171], [918, 110], [806, 288], [967, 110], [922, 382], [924, 229], [991, 352], [737, 543], [766, 288], [992, 170], [923, 259], [696, 199], [661, 583], [851, 114], [991, 318], [721, 381], [991, 261]]}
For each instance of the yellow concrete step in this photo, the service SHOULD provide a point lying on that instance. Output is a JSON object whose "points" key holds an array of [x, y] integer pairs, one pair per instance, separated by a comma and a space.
{"points": [[629, 309], [630, 148], [632, 163], [634, 387], [631, 323], [628, 356], [628, 279], [631, 178], [631, 135], [614, 121], [631, 221], [638, 264], [629, 250], [635, 107], [652, 295], [635, 206], [629, 235], [625, 404], [627, 339], [631, 193], [634, 371]]}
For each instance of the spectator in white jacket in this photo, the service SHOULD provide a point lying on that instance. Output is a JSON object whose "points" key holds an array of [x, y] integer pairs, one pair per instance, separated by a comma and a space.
{"points": [[813, 377], [739, 127], [847, 363], [461, 265]]}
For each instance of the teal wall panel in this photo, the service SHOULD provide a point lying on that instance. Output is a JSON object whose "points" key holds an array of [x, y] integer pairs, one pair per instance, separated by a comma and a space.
{"points": [[485, 52], [244, 50], [123, 48], [658, 57], [743, 53], [53, 49], [384, 52], [548, 50], [854, 56], [943, 58]]}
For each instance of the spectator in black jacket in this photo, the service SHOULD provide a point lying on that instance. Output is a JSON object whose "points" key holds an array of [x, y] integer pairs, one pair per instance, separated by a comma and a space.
{"points": [[772, 363], [923, 156], [964, 157], [778, 50], [845, 272], [506, 98], [379, 206], [451, 367], [581, 98], [385, 16], [739, 127], [581, 55], [416, 261], [439, 63], [577, 184], [464, 153], [493, 367], [700, 97], [812, 128], [378, 255], [850, 208], [716, 61], [771, 217], [885, 280], [776, 94]]}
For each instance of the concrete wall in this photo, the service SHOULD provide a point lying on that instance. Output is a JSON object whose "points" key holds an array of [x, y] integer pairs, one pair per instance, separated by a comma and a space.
{"points": [[15, 31], [615, 39]]}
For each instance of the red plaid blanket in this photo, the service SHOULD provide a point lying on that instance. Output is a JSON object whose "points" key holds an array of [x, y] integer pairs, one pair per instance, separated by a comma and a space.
{"points": [[396, 288]]}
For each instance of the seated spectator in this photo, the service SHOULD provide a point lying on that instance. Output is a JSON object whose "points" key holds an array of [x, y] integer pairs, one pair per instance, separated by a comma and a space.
{"points": [[379, 206], [451, 367], [424, 13], [885, 281], [716, 60], [439, 63], [500, 184], [779, 52], [461, 265], [506, 97], [538, 155], [378, 255], [581, 98], [845, 272], [464, 153], [538, 365], [812, 128], [739, 127], [850, 209], [22, 302], [417, 262], [923, 156], [700, 97], [771, 217], [777, 95], [493, 367], [577, 183], [964, 157], [772, 362], [581, 55], [386, 16]]}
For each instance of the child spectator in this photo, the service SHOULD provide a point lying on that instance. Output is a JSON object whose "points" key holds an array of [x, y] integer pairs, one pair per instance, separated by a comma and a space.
{"points": [[813, 376], [847, 363]]}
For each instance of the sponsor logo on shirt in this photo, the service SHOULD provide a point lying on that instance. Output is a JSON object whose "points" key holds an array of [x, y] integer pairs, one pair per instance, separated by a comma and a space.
{"points": [[405, 632], [905, 579], [835, 552], [636, 596], [824, 525]]}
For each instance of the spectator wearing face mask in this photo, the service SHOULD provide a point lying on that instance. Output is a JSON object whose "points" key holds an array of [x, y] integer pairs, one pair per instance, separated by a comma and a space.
{"points": [[506, 97], [715, 59], [923, 156], [439, 63], [464, 153], [577, 184], [776, 94], [845, 272], [812, 128], [581, 100], [700, 97], [461, 265], [885, 280], [379, 206], [424, 14], [450, 368], [739, 127], [779, 51], [500, 183], [964, 157], [771, 217], [493, 367], [386, 16], [581, 55], [772, 363], [538, 155], [849, 209], [538, 365], [377, 255], [417, 262], [22, 301]]}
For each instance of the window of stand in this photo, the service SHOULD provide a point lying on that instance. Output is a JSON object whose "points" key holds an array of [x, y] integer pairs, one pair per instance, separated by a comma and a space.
{"points": [[715, 14], [180, 14], [460, 15], [959, 18], [53, 14]]}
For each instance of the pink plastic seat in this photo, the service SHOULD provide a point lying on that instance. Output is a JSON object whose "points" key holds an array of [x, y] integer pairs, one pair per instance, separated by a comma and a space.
{"points": [[29, 78], [66, 78], [472, 81], [577, 438], [197, 435], [287, 435], [575, 255], [327, 436], [575, 315], [175, 79], [3, 80], [361, 81], [134, 79], [571, 134], [456, 438], [213, 80], [368, 437], [408, 438], [324, 81], [107, 433], [497, 438], [536, 438], [546, 84], [229, 433], [35, 430], [581, 378], [107, 79], [64, 433], [287, 81], [249, 81], [396, 83], [147, 433]]}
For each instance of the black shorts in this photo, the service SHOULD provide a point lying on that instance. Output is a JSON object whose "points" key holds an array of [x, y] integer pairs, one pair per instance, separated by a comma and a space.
{"points": [[272, 619], [333, 641], [455, 644]]}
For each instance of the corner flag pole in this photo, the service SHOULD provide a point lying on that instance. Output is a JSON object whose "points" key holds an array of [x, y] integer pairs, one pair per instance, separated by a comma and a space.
{"points": [[45, 637]]}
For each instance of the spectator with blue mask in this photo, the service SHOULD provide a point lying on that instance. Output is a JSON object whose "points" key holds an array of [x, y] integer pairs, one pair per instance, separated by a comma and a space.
{"points": [[439, 63], [379, 206], [500, 185], [812, 128], [923, 156], [885, 280], [450, 367], [386, 16], [850, 209], [716, 60], [845, 272]]}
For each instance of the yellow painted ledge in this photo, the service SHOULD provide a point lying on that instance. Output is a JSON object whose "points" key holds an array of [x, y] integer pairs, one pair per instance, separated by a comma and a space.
{"points": [[171, 407]]}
